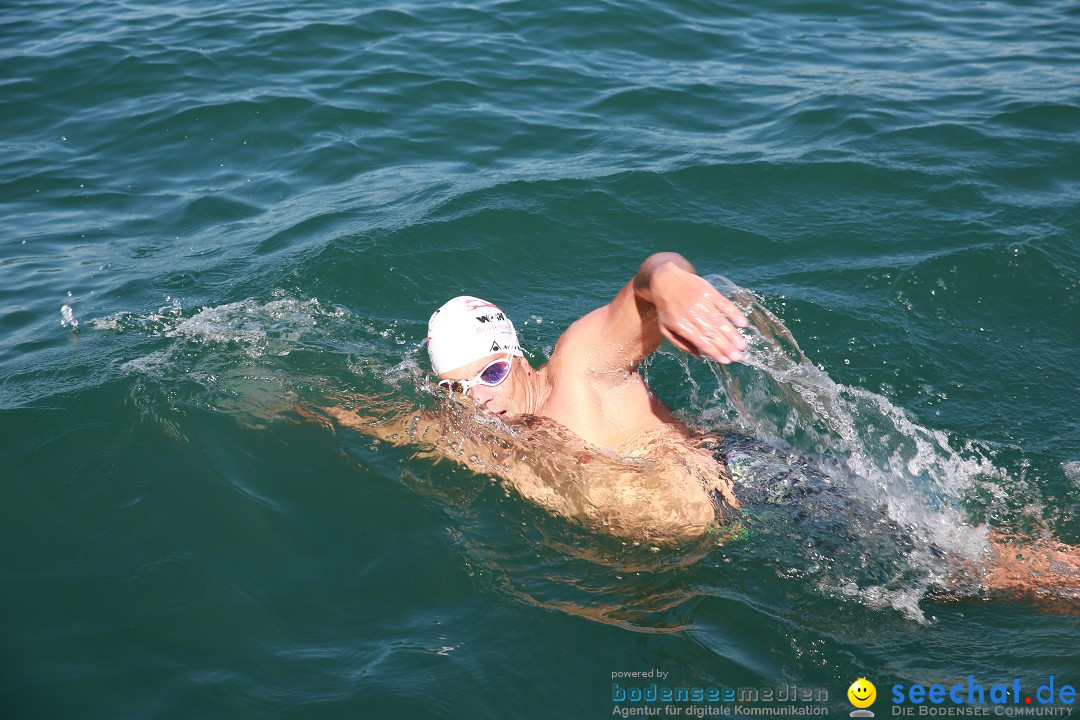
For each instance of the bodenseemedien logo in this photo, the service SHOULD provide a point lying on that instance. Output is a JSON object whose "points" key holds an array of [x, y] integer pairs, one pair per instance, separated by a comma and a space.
{"points": [[862, 694]]}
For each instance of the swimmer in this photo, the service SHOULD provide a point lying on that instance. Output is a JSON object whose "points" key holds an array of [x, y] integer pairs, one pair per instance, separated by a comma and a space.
{"points": [[645, 474], [592, 443]]}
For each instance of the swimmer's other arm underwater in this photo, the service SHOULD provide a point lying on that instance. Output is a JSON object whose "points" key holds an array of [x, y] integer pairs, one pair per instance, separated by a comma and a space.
{"points": [[611, 452]]}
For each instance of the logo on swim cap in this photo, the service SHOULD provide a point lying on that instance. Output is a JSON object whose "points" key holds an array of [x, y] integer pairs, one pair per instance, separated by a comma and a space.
{"points": [[466, 329]]}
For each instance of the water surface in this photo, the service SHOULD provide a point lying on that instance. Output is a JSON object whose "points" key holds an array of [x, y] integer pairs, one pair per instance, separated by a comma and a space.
{"points": [[239, 205]]}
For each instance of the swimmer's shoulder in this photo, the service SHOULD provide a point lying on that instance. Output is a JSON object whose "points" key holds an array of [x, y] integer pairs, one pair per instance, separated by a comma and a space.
{"points": [[589, 354]]}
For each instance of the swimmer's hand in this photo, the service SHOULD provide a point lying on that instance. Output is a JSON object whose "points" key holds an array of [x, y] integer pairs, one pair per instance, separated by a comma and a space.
{"points": [[304, 411], [690, 312], [328, 416], [351, 418]]}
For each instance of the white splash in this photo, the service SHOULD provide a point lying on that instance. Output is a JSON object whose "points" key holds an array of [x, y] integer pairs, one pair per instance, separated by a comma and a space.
{"points": [[67, 317], [865, 443], [156, 323], [249, 329], [1072, 471]]}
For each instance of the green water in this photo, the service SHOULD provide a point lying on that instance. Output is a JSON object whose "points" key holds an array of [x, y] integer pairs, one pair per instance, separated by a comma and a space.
{"points": [[245, 204]]}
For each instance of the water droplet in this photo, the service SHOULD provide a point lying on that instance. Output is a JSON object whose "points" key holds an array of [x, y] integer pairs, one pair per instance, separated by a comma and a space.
{"points": [[68, 317]]}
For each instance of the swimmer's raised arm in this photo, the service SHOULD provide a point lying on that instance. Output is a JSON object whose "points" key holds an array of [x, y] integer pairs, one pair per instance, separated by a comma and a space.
{"points": [[665, 299]]}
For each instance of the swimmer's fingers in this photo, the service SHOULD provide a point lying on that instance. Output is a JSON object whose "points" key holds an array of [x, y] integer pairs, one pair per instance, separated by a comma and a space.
{"points": [[310, 413], [679, 342], [717, 346], [716, 333], [698, 337], [350, 418], [699, 320], [720, 329], [730, 310]]}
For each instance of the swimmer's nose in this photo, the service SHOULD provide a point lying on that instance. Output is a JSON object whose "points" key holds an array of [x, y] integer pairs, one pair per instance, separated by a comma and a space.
{"points": [[481, 394]]}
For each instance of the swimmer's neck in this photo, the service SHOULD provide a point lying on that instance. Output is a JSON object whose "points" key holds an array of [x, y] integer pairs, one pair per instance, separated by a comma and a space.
{"points": [[538, 389]]}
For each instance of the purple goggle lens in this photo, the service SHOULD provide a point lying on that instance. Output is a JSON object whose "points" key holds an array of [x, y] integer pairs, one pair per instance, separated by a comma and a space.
{"points": [[493, 374]]}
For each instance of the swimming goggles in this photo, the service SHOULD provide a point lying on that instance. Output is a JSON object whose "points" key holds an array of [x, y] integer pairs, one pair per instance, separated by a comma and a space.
{"points": [[492, 375]]}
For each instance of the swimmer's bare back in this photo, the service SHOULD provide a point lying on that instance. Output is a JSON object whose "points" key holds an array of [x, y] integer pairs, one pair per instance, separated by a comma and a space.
{"points": [[664, 489]]}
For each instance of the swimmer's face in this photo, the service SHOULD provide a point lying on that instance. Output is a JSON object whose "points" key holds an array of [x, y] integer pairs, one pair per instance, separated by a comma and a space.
{"points": [[506, 398]]}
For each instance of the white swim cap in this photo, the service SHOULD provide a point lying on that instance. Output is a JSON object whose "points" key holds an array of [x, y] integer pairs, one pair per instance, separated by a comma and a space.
{"points": [[466, 329]]}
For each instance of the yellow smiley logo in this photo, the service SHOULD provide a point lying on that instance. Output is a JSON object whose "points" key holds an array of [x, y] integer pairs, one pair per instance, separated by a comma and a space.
{"points": [[862, 693]]}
